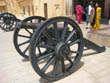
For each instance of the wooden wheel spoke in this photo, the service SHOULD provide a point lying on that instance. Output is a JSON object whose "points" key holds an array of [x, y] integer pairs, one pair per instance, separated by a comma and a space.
{"points": [[69, 60], [75, 42], [77, 52], [46, 46], [8, 27], [26, 49], [24, 43], [28, 31], [55, 67], [40, 57], [63, 65], [64, 30], [3, 25], [57, 36], [23, 36], [48, 36], [48, 63], [70, 35], [39, 50]]}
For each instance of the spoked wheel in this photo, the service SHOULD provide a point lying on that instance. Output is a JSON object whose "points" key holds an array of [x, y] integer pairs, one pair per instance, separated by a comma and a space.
{"points": [[23, 35], [7, 21], [64, 40]]}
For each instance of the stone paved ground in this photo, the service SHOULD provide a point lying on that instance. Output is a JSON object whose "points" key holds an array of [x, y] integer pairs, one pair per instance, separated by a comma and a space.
{"points": [[93, 68]]}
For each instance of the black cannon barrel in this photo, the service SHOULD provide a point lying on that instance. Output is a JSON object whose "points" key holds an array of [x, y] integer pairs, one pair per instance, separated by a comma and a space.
{"points": [[27, 25]]}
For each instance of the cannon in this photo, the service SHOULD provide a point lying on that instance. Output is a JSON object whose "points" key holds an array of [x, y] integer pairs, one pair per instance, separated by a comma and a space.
{"points": [[8, 21], [55, 46]]}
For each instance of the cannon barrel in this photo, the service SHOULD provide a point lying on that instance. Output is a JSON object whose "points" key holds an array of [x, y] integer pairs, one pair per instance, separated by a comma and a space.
{"points": [[27, 25]]}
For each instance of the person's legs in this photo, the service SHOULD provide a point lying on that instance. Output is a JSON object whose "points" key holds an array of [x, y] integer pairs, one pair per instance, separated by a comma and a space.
{"points": [[98, 24], [88, 18], [87, 21], [78, 19]]}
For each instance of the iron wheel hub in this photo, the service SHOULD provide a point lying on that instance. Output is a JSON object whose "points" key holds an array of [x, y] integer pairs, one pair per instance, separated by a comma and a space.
{"points": [[62, 50]]}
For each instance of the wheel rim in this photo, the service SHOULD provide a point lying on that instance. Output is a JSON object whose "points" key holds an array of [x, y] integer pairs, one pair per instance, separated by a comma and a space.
{"points": [[60, 41], [22, 36], [8, 21]]}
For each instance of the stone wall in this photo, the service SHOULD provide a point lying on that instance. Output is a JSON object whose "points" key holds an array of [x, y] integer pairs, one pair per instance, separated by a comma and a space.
{"points": [[49, 8], [2, 6], [45, 8], [13, 6], [26, 7]]}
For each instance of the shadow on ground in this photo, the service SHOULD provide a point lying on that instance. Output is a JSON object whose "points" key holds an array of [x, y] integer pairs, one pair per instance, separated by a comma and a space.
{"points": [[25, 60], [42, 80], [88, 54]]}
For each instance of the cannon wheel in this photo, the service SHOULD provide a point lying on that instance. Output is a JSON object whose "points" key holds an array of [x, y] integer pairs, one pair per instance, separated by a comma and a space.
{"points": [[8, 22], [65, 44], [22, 36]]}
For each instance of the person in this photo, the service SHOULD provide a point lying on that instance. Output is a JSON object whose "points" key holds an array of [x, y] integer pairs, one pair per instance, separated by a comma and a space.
{"points": [[87, 21], [98, 16], [92, 17], [79, 13], [88, 14]]}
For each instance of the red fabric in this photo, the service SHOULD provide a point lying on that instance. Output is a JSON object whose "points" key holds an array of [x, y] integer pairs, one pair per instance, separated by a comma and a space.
{"points": [[79, 13], [79, 18]]}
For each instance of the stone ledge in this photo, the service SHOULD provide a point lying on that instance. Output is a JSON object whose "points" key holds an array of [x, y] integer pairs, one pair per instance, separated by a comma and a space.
{"points": [[100, 37]]}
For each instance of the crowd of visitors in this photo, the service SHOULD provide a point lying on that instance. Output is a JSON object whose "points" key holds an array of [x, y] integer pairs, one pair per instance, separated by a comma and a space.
{"points": [[93, 15]]}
